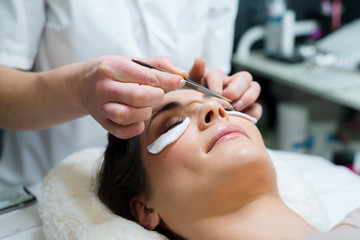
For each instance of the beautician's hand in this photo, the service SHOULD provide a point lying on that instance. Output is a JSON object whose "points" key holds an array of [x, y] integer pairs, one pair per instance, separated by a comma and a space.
{"points": [[119, 93], [240, 87], [115, 91]]}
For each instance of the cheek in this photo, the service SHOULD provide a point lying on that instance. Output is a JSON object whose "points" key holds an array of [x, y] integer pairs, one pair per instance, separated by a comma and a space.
{"points": [[179, 154], [243, 169], [251, 130], [171, 164], [257, 138], [172, 173]]}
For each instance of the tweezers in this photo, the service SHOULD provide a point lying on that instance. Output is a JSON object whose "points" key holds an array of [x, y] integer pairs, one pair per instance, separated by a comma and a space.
{"points": [[188, 83]]}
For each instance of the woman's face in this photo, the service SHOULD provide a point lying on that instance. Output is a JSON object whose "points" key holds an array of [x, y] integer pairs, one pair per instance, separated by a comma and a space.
{"points": [[218, 162]]}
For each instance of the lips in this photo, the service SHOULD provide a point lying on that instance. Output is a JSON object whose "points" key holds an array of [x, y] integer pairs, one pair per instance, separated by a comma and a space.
{"points": [[225, 132]]}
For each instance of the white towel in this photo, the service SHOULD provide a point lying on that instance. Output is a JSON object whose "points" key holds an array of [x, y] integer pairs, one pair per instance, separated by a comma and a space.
{"points": [[299, 195], [70, 209]]}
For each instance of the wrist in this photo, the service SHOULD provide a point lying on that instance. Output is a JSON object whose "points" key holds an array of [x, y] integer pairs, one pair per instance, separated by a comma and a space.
{"points": [[65, 84]]}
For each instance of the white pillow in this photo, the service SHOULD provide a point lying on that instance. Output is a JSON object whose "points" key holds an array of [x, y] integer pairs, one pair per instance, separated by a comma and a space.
{"points": [[70, 209]]}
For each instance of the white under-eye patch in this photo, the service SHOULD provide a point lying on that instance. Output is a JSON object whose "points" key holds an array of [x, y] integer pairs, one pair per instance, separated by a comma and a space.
{"points": [[240, 114], [169, 137]]}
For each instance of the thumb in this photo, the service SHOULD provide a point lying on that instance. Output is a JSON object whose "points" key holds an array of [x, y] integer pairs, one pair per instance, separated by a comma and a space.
{"points": [[167, 65]]}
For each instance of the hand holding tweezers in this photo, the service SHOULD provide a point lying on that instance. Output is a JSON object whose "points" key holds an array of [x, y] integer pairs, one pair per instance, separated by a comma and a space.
{"points": [[188, 83]]}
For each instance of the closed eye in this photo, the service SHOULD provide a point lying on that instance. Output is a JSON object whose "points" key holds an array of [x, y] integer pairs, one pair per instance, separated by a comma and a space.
{"points": [[173, 123]]}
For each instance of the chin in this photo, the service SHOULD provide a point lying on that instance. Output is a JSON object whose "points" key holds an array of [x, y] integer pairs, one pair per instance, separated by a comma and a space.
{"points": [[243, 173], [253, 159]]}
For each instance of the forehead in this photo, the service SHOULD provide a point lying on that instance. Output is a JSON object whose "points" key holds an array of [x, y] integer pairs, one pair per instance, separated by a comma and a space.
{"points": [[182, 96]]}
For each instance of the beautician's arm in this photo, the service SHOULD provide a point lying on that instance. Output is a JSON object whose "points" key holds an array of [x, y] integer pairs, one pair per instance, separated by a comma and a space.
{"points": [[107, 88]]}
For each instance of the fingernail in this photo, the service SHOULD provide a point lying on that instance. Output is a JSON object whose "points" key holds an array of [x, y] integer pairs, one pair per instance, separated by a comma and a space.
{"points": [[181, 83], [238, 105]]}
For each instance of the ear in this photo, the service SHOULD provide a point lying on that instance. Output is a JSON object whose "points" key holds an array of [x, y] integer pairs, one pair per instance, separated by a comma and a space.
{"points": [[146, 217]]}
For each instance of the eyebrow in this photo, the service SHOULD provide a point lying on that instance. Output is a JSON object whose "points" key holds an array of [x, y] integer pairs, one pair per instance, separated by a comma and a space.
{"points": [[166, 107], [206, 96]]}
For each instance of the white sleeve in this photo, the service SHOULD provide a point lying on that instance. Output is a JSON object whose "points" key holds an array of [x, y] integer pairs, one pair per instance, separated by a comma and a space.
{"points": [[21, 24], [220, 34]]}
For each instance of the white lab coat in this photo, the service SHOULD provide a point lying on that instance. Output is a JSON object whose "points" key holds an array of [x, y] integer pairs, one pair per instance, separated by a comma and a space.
{"points": [[40, 35]]}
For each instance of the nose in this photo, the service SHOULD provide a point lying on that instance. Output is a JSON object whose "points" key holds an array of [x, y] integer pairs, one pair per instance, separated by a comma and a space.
{"points": [[210, 112]]}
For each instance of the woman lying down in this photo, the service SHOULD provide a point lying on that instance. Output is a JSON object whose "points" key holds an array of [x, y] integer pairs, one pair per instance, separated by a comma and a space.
{"points": [[198, 171]]}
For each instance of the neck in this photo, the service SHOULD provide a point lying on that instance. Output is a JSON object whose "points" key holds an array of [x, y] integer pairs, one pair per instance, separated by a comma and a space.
{"points": [[264, 218]]}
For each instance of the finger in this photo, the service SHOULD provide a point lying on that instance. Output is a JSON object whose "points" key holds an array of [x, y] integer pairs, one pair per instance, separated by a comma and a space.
{"points": [[248, 97], [125, 115], [166, 64], [214, 79], [124, 131], [197, 71], [131, 94], [236, 85], [255, 110], [155, 78], [131, 72]]}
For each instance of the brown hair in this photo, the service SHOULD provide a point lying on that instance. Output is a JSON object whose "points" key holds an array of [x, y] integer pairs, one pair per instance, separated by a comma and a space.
{"points": [[122, 175]]}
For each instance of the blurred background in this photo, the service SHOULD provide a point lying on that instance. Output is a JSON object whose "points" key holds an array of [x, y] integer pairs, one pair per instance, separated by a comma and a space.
{"points": [[306, 56]]}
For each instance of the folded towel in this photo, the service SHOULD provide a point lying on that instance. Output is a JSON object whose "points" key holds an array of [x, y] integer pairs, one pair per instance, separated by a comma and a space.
{"points": [[299, 195], [70, 209]]}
